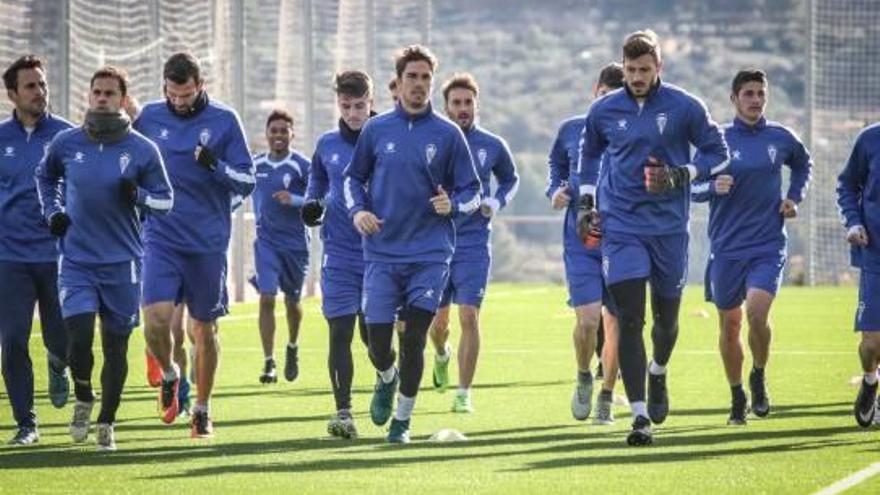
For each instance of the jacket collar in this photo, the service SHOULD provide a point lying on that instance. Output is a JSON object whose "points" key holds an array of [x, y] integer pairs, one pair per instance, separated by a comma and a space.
{"points": [[739, 123]]}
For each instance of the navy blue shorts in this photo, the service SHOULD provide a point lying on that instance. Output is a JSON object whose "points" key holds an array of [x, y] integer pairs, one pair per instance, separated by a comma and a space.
{"points": [[467, 282], [111, 290], [342, 283], [728, 280], [388, 287], [662, 259], [197, 279], [279, 268]]}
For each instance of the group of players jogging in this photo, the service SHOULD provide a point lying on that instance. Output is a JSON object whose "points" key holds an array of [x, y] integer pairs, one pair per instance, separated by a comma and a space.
{"points": [[132, 211]]}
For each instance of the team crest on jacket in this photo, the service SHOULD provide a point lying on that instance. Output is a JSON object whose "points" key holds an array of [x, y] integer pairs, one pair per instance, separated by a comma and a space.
{"points": [[79, 157], [481, 155], [334, 158], [621, 125], [286, 180], [661, 122], [736, 155], [430, 151], [10, 151], [771, 152], [163, 133], [389, 147], [124, 160], [204, 136]]}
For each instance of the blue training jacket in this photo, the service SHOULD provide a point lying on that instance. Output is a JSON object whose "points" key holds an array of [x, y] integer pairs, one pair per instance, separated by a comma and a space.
{"points": [[24, 235], [491, 156], [665, 126], [83, 178], [333, 153], [858, 196], [280, 225], [746, 222], [201, 219], [399, 162]]}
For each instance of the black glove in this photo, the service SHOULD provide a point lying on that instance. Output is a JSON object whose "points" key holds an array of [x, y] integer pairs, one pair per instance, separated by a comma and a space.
{"points": [[312, 212], [58, 224], [128, 190], [588, 223], [661, 178], [206, 158]]}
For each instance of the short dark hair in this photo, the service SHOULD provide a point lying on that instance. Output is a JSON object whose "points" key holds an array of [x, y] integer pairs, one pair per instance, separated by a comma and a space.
{"points": [[354, 83], [644, 42], [10, 76], [112, 72], [611, 76], [414, 53], [747, 75], [181, 67], [279, 114], [460, 80]]}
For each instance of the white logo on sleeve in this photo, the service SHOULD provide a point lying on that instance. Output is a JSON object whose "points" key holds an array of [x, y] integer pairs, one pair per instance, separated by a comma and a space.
{"points": [[621, 125], [124, 160], [481, 155], [286, 180], [736, 155], [10, 151], [771, 152], [430, 151], [204, 136], [661, 122]]}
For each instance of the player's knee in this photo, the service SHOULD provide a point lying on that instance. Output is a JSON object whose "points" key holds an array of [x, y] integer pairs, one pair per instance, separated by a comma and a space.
{"points": [[440, 324], [469, 317], [267, 302], [871, 342]]}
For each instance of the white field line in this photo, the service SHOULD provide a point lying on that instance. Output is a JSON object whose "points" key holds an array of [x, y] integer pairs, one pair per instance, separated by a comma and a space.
{"points": [[851, 480]]}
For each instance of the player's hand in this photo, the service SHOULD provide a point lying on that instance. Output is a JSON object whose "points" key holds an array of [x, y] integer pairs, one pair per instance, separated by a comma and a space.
{"points": [[312, 212], [489, 206], [723, 184], [128, 190], [661, 178], [366, 223], [857, 236], [441, 203], [58, 224], [283, 197], [788, 208], [588, 224], [205, 157], [560, 198]]}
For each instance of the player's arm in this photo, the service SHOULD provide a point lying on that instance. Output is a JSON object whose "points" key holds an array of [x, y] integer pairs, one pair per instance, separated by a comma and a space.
{"points": [[592, 146], [557, 175], [313, 209], [465, 197], [704, 190], [801, 166], [850, 187], [49, 176], [234, 168], [712, 156], [357, 175], [153, 192], [508, 183]]}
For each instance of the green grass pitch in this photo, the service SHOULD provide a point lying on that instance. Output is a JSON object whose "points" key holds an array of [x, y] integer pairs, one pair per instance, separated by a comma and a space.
{"points": [[522, 439]]}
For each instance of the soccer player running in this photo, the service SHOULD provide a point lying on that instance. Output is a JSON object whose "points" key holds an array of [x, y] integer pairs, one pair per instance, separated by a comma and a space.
{"points": [[859, 205], [281, 249], [206, 155], [747, 214], [583, 268], [342, 268], [28, 255], [411, 174], [645, 133], [93, 181], [469, 270]]}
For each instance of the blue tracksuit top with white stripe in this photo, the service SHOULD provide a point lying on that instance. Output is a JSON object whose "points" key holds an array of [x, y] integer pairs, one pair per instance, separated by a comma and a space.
{"points": [[491, 156], [280, 225], [746, 222], [664, 126], [858, 196], [332, 154], [398, 163], [201, 219], [83, 178], [24, 235]]}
